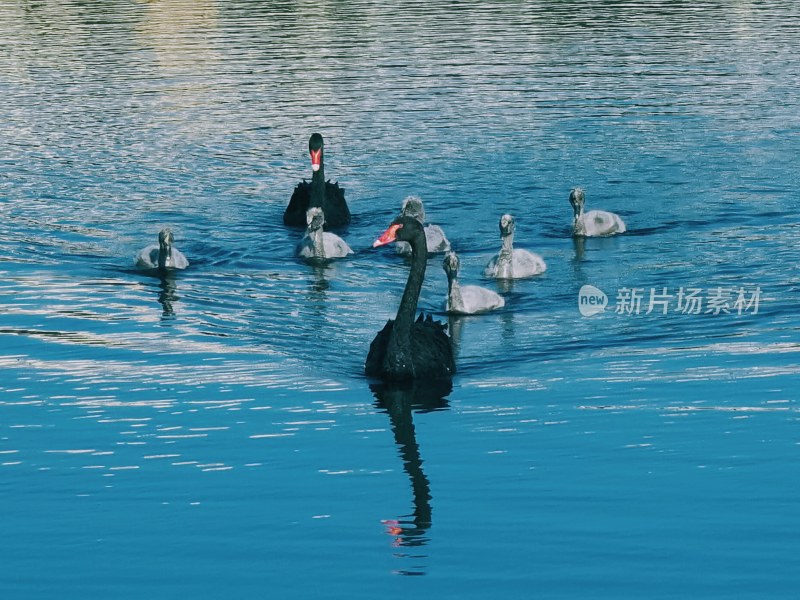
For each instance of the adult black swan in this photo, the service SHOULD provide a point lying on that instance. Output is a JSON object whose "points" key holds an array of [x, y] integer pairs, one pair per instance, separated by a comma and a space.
{"points": [[407, 349], [319, 193]]}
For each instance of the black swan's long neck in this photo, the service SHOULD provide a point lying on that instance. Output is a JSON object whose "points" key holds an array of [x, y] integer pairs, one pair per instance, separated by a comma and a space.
{"points": [[317, 187], [408, 303]]}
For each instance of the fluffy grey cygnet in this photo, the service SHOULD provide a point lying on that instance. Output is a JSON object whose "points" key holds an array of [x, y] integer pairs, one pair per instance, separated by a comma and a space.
{"points": [[510, 262], [162, 255], [319, 244], [467, 299], [595, 223], [435, 238]]}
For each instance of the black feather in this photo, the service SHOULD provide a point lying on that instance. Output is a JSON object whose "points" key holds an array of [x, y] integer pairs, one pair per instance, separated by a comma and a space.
{"points": [[337, 214]]}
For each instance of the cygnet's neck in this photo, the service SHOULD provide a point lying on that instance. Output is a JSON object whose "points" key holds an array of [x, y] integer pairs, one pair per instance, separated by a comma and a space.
{"points": [[454, 299], [508, 246], [504, 259], [317, 241], [164, 256], [579, 225]]}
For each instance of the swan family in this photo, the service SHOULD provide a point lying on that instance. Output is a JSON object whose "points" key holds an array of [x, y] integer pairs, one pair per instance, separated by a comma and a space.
{"points": [[409, 347]]}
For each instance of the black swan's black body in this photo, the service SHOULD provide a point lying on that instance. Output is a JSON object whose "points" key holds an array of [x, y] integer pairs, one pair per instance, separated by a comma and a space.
{"points": [[317, 193], [428, 355], [406, 348]]}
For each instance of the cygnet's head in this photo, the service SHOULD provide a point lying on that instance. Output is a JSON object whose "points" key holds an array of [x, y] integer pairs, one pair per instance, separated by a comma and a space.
{"points": [[577, 200], [507, 225], [412, 207], [165, 238], [315, 218], [315, 144], [451, 264]]}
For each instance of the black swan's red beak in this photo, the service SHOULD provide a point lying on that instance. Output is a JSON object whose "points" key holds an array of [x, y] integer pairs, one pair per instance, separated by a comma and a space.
{"points": [[388, 236], [316, 159]]}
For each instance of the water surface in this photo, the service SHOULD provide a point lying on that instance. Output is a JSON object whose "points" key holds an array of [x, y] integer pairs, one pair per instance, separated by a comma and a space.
{"points": [[212, 433]]}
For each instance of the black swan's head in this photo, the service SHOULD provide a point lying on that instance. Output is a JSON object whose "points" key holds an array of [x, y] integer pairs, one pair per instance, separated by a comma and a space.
{"points": [[402, 229], [412, 207], [315, 218], [315, 145], [451, 264], [577, 200], [507, 225]]}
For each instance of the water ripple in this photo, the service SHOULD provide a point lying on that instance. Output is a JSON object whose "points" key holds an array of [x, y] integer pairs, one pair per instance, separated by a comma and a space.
{"points": [[120, 118]]}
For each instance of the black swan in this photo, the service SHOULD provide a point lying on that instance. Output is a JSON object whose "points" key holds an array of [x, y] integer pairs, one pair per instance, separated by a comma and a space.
{"points": [[320, 245], [407, 349], [319, 193], [163, 255]]}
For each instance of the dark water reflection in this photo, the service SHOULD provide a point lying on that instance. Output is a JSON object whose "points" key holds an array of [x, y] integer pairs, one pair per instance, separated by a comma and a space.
{"points": [[400, 401], [168, 295]]}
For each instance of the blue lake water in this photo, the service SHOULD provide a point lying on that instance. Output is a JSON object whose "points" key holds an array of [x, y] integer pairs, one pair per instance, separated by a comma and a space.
{"points": [[212, 434]]}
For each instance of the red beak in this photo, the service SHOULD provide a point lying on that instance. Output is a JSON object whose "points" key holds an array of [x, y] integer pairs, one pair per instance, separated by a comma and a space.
{"points": [[390, 235], [316, 158]]}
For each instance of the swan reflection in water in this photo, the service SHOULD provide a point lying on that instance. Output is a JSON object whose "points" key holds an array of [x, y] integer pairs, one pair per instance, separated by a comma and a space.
{"points": [[319, 283], [579, 245], [167, 294], [316, 295], [399, 400], [167, 290], [455, 325], [505, 286]]}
